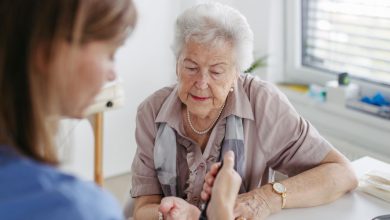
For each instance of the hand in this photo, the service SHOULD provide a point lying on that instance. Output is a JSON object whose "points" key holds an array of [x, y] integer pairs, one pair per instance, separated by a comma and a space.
{"points": [[252, 205], [209, 181], [223, 187], [177, 208]]}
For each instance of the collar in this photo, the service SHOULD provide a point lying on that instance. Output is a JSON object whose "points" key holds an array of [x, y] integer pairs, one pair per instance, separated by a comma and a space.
{"points": [[238, 103], [170, 111]]}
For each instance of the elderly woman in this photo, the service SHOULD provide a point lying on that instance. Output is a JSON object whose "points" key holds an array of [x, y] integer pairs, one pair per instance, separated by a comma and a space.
{"points": [[184, 129]]}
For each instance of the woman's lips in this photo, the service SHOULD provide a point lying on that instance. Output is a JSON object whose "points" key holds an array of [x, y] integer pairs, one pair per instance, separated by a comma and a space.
{"points": [[198, 98]]}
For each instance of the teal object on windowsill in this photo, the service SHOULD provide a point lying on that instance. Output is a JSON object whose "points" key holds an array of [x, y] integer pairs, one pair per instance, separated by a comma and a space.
{"points": [[317, 92]]}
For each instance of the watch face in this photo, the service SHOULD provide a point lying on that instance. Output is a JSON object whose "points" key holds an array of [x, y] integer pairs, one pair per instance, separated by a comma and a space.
{"points": [[278, 187]]}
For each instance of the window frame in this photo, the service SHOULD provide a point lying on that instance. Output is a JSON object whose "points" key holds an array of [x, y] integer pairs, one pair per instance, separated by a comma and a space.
{"points": [[295, 72]]}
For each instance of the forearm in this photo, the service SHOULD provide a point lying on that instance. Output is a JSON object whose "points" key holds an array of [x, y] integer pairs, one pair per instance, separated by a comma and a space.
{"points": [[146, 207], [320, 185], [222, 214], [147, 212]]}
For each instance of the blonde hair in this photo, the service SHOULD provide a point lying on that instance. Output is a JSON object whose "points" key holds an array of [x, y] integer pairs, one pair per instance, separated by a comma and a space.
{"points": [[23, 122]]}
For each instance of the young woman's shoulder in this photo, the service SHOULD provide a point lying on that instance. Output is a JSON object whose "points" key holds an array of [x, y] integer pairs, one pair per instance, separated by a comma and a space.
{"points": [[30, 190]]}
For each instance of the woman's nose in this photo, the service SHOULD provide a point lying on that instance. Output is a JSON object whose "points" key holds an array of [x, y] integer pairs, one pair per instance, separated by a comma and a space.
{"points": [[202, 81], [111, 76]]}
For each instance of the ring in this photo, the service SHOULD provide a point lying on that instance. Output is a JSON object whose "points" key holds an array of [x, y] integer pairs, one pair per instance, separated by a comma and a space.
{"points": [[241, 218]]}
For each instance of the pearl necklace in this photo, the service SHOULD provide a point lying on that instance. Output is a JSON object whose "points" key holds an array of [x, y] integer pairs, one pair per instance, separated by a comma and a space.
{"points": [[207, 129]]}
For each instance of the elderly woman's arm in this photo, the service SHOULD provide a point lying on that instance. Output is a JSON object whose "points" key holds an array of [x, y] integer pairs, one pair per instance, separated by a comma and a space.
{"points": [[146, 207], [322, 184]]}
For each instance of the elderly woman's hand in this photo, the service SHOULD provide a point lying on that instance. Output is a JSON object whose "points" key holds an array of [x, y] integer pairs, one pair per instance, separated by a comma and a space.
{"points": [[176, 208], [209, 181], [251, 205]]}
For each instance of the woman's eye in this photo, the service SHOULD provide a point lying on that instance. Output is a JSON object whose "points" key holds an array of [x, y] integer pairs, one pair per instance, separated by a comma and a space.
{"points": [[191, 68]]}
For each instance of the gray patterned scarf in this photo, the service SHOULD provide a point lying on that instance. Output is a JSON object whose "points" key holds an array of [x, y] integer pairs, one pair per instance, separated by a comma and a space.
{"points": [[165, 152]]}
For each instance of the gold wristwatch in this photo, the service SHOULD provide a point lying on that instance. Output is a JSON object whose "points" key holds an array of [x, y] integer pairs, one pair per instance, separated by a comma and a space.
{"points": [[281, 190]]}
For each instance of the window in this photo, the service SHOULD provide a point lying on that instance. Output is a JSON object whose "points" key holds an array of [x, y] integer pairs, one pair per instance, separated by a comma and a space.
{"points": [[342, 36]]}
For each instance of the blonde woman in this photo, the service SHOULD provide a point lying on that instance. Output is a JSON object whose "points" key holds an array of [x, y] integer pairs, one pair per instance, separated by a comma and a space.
{"points": [[54, 58]]}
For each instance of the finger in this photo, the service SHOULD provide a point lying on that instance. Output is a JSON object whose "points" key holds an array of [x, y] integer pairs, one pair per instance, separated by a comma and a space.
{"points": [[166, 205], [169, 217], [214, 169], [228, 160], [205, 196], [207, 189], [174, 214], [237, 178], [209, 180]]}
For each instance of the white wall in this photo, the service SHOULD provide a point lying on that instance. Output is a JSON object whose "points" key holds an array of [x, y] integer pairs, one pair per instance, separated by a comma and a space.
{"points": [[145, 64]]}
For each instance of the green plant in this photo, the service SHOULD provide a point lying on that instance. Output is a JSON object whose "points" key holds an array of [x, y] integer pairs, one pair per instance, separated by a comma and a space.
{"points": [[258, 63]]}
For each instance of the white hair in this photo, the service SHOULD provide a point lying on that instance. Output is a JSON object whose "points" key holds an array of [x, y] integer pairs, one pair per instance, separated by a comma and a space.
{"points": [[213, 23]]}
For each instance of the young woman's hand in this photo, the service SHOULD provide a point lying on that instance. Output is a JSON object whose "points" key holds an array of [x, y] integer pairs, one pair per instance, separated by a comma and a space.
{"points": [[222, 186]]}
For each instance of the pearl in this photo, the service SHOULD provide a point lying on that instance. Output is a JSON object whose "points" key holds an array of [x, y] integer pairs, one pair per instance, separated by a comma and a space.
{"points": [[207, 129]]}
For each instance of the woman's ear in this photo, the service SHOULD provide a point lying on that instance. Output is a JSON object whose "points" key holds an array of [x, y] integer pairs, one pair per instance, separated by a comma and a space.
{"points": [[177, 68]]}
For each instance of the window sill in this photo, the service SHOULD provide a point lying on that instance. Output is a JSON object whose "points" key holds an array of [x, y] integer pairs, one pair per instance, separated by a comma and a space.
{"points": [[365, 131]]}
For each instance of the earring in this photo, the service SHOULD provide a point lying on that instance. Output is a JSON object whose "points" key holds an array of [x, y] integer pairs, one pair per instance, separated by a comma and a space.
{"points": [[231, 89]]}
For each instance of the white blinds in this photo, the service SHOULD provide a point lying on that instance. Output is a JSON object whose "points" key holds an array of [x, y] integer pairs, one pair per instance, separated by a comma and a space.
{"points": [[348, 36]]}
